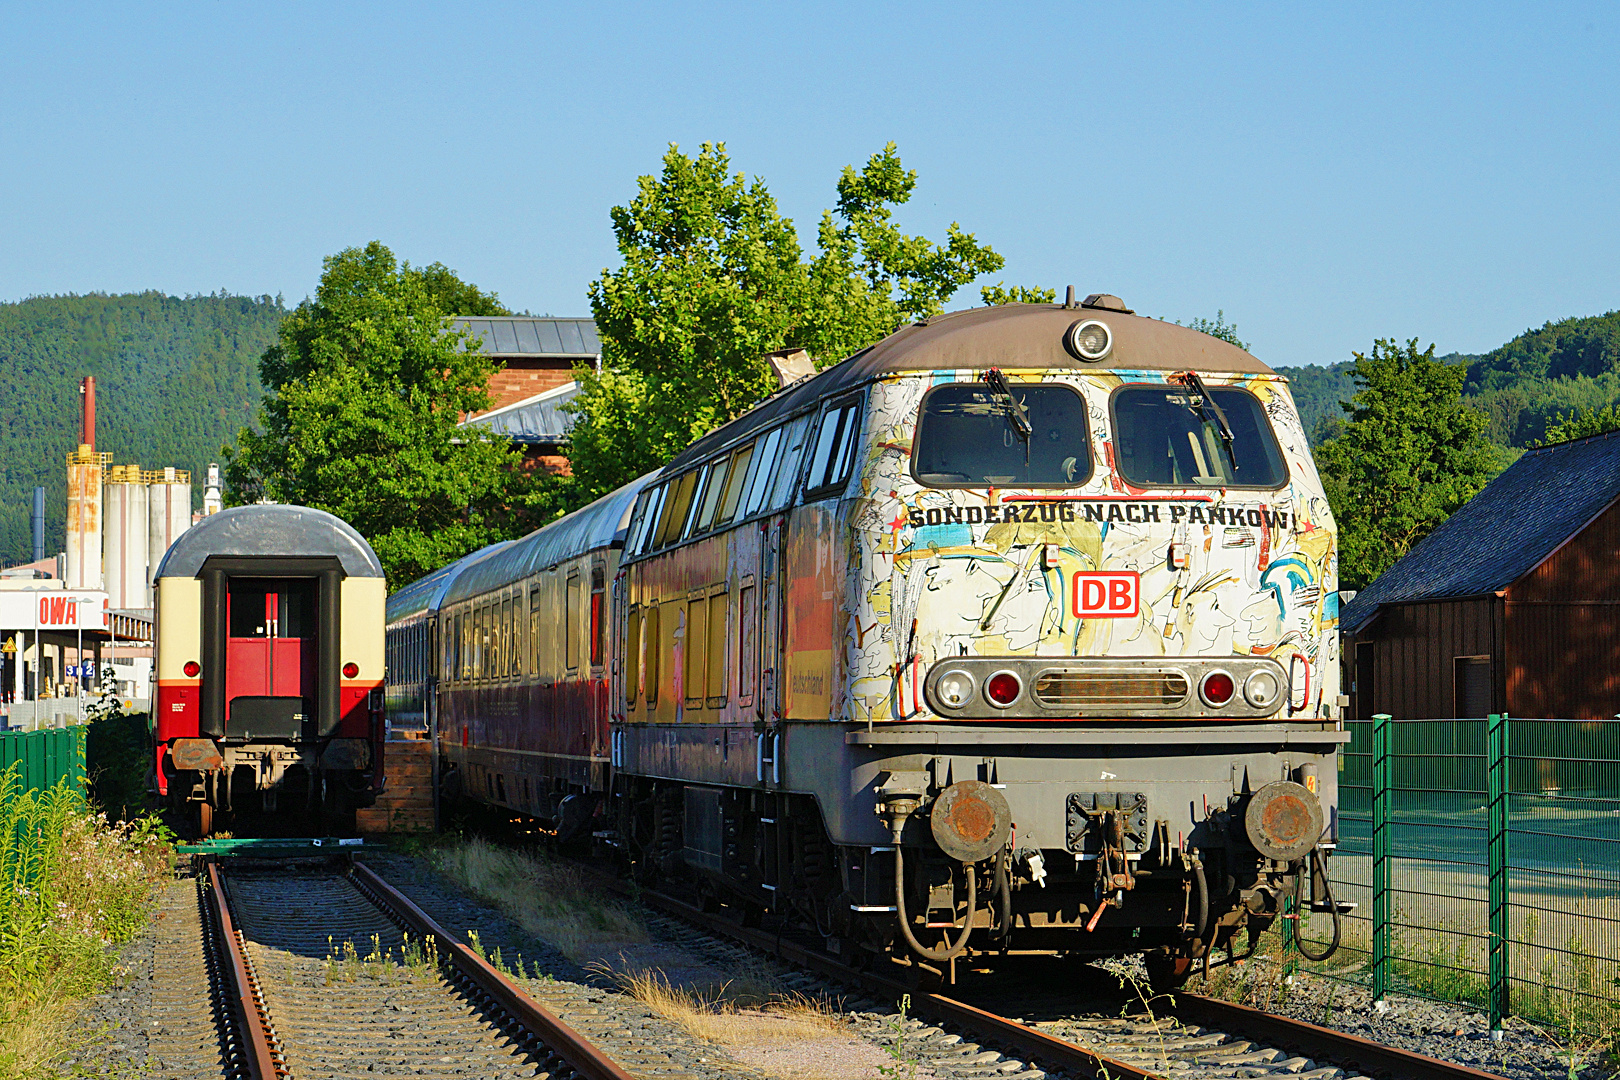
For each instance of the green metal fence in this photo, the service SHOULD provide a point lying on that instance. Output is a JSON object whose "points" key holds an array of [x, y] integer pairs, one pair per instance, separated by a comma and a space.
{"points": [[44, 758], [1484, 859]]}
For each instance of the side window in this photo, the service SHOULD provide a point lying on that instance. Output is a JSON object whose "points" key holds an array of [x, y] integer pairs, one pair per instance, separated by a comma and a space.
{"points": [[571, 623], [834, 449], [534, 630], [713, 489], [746, 635], [760, 471], [598, 624], [716, 691], [652, 644], [734, 484], [509, 661], [704, 474], [638, 522], [676, 504], [794, 437], [696, 638], [632, 656]]}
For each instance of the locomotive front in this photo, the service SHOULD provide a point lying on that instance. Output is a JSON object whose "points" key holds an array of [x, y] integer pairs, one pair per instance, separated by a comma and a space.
{"points": [[1087, 642]]}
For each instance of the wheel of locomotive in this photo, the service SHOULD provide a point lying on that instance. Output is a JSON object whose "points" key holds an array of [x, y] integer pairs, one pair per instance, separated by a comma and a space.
{"points": [[751, 915], [204, 819], [1167, 971]]}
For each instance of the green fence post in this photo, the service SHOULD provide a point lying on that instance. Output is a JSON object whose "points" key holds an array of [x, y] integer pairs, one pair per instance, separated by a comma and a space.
{"points": [[1496, 771], [1380, 855]]}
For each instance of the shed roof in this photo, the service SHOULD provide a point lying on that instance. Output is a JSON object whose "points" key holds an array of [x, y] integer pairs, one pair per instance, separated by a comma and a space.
{"points": [[1008, 335], [1504, 532], [527, 335], [537, 419]]}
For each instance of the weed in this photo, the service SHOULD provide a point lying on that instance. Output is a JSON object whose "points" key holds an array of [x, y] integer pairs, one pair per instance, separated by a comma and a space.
{"points": [[902, 1064]]}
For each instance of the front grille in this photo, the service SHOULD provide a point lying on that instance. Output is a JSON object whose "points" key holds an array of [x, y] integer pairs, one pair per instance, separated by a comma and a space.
{"points": [[1092, 690]]}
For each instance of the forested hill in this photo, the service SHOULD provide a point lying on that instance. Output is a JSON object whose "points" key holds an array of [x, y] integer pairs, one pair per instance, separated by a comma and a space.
{"points": [[175, 379], [1522, 386]]}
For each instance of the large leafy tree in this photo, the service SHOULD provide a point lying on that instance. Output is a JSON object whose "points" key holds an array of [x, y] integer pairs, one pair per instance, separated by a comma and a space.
{"points": [[366, 384], [1409, 453], [713, 277]]}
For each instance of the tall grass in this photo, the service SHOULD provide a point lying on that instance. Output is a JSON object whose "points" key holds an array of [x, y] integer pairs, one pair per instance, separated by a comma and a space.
{"points": [[72, 887]]}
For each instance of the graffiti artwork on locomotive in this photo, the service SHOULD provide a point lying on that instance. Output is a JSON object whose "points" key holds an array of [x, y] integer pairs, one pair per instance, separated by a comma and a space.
{"points": [[269, 665], [1014, 632]]}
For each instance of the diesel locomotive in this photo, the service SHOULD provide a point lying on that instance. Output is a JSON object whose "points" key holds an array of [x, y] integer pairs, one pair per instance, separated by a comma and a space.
{"points": [[1013, 633], [269, 665]]}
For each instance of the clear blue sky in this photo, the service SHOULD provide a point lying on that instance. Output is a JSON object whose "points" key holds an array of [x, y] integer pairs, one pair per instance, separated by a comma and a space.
{"points": [[1324, 176]]}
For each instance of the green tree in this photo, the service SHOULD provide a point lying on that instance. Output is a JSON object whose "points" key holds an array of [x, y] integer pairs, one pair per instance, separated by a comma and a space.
{"points": [[1409, 453], [1218, 327], [713, 277], [1579, 425], [998, 294], [366, 384]]}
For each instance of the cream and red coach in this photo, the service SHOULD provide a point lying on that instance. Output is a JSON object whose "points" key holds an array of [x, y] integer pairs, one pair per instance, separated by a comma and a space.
{"points": [[269, 664]]}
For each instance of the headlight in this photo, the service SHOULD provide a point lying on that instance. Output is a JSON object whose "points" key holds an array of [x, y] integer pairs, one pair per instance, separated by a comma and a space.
{"points": [[1089, 339], [955, 689], [1262, 688]]}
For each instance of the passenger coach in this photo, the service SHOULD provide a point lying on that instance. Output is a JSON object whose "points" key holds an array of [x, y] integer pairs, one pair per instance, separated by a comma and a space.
{"points": [[269, 665], [1016, 631]]}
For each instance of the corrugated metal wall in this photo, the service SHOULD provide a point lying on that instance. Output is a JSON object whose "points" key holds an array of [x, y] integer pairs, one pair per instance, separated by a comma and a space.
{"points": [[1414, 651], [1563, 629]]}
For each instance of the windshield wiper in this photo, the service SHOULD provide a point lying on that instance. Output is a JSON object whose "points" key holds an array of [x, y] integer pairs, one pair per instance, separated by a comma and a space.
{"points": [[1016, 416], [1207, 406]]}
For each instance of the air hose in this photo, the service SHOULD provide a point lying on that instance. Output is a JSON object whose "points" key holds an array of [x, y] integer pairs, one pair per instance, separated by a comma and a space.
{"points": [[897, 824], [1327, 892]]}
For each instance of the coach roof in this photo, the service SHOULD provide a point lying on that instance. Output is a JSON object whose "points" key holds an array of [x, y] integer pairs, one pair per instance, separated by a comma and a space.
{"points": [[599, 525], [1013, 336], [426, 593], [271, 530]]}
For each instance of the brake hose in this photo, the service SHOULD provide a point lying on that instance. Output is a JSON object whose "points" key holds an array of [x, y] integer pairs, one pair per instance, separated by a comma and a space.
{"points": [[897, 825], [1327, 892]]}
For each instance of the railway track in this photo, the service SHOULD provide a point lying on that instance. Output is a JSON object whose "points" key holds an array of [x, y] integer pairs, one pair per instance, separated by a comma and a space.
{"points": [[324, 975], [1198, 1037]]}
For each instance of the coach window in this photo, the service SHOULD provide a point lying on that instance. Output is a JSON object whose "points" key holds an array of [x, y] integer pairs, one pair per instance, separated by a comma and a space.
{"points": [[509, 637], [712, 491], [746, 661], [794, 436], [571, 623], [598, 623], [638, 520], [734, 484], [835, 450], [1195, 436], [705, 475], [1001, 434]]}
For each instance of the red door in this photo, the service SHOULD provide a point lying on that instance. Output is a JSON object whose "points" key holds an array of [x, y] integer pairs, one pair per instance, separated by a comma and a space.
{"points": [[270, 656]]}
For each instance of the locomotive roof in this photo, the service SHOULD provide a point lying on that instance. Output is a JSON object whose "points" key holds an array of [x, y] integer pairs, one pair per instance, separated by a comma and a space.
{"points": [[426, 593], [272, 530], [1512, 526], [1008, 335], [599, 525]]}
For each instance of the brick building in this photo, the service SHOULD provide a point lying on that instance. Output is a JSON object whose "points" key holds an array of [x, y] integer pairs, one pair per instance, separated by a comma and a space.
{"points": [[540, 355]]}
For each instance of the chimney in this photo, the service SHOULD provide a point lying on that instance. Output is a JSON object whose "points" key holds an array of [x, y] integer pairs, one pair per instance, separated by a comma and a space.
{"points": [[87, 387], [39, 524]]}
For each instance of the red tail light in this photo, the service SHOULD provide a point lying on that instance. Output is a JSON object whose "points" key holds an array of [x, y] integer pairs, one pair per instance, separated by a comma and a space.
{"points": [[1217, 688], [1003, 688], [192, 669], [351, 670]]}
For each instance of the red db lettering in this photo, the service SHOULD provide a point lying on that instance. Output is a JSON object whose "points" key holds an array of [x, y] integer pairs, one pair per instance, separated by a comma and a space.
{"points": [[1108, 594]]}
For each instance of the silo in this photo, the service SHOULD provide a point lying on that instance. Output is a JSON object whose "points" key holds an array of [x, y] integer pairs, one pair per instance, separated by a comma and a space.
{"points": [[168, 510], [84, 518], [128, 534]]}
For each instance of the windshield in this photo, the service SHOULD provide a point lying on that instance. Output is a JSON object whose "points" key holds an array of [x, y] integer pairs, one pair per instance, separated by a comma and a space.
{"points": [[974, 434], [1174, 436]]}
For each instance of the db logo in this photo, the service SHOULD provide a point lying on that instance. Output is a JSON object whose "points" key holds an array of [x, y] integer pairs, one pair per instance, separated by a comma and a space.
{"points": [[1109, 594]]}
